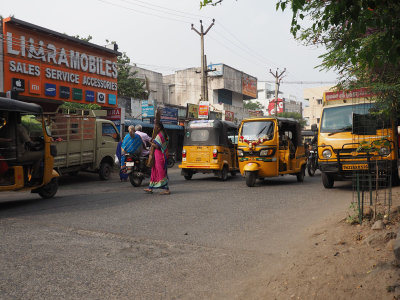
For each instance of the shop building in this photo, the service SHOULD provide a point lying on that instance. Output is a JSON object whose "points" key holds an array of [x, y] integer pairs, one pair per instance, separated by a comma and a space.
{"points": [[50, 68]]}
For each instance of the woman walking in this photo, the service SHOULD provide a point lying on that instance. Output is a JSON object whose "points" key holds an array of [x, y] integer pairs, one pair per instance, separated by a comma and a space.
{"points": [[159, 176]]}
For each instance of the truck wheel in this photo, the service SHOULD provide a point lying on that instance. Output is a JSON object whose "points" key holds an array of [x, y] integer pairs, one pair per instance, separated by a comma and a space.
{"points": [[327, 180], [135, 180], [49, 190], [224, 173], [250, 179], [105, 171]]}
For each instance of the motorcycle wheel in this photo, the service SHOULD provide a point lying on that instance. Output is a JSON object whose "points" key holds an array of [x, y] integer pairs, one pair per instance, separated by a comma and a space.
{"points": [[170, 162], [135, 180], [311, 167]]}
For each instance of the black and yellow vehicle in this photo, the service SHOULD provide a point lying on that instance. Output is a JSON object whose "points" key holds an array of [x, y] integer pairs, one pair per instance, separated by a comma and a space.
{"points": [[269, 147], [353, 138], [210, 146], [26, 156]]}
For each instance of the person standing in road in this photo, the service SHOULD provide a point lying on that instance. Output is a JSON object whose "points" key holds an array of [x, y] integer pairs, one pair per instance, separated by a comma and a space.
{"points": [[159, 176]]}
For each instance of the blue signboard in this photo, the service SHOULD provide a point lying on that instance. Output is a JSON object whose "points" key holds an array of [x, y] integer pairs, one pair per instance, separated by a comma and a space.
{"points": [[169, 115], [50, 89], [147, 109], [89, 96]]}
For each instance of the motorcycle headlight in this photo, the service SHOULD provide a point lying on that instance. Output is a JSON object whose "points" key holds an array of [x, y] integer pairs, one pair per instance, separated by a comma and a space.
{"points": [[240, 152], [384, 151], [327, 153]]}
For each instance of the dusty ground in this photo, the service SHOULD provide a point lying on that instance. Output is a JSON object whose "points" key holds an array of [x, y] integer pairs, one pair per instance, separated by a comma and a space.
{"points": [[342, 262]]}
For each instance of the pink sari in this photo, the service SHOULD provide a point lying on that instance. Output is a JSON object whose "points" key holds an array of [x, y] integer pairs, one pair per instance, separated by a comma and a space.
{"points": [[159, 176]]}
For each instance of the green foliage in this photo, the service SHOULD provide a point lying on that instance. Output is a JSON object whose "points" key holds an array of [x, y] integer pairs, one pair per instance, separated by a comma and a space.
{"points": [[362, 39], [353, 217], [366, 146], [294, 115], [86, 39], [128, 84], [253, 105], [73, 105]]}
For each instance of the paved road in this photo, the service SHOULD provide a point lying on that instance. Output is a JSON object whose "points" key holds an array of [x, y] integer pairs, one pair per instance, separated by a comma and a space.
{"points": [[207, 240]]}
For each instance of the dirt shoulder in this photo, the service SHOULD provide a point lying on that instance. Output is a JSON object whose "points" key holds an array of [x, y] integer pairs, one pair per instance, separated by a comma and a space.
{"points": [[342, 261]]}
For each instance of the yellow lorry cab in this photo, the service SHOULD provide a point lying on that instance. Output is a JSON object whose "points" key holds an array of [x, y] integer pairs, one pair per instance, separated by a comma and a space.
{"points": [[209, 146], [352, 138], [270, 147]]}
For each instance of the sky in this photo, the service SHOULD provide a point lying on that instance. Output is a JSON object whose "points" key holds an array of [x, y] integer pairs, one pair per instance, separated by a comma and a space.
{"points": [[248, 35]]}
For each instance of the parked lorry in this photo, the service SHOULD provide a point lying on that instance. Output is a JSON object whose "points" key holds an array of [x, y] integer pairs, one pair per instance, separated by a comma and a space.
{"points": [[353, 137], [83, 141]]}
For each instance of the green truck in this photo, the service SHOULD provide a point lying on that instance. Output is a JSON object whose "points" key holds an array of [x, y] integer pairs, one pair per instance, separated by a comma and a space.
{"points": [[84, 142]]}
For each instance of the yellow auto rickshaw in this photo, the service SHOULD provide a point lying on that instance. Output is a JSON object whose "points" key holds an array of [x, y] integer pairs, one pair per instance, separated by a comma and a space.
{"points": [[26, 156], [270, 147], [210, 147]]}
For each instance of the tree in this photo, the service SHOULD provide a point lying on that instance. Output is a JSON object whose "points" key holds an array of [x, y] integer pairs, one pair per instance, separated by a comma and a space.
{"points": [[294, 115], [252, 105]]}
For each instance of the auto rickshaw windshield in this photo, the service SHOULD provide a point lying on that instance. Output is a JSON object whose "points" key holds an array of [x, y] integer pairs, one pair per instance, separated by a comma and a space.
{"points": [[258, 129]]}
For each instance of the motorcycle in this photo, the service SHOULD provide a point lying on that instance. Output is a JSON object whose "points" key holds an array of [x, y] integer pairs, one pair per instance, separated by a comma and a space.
{"points": [[171, 160], [136, 168], [312, 161]]}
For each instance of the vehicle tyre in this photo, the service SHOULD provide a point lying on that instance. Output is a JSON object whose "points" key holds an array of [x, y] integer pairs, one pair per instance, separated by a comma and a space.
{"points": [[135, 180], [250, 178], [311, 167], [105, 171], [233, 173], [224, 173], [327, 180], [49, 190], [170, 162], [73, 173], [188, 176], [300, 176]]}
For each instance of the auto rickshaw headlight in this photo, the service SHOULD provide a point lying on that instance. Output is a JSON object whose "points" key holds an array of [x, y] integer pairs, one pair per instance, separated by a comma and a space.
{"points": [[240, 152], [265, 152], [327, 153], [384, 151]]}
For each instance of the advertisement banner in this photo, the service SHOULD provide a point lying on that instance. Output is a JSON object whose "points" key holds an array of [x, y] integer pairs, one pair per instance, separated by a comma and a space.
{"points": [[117, 116], [216, 70], [192, 111], [203, 109], [347, 95], [249, 86], [229, 116], [147, 109], [55, 67], [272, 104], [169, 115]]}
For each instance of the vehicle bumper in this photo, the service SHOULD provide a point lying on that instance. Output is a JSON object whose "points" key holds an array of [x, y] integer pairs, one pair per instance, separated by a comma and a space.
{"points": [[336, 169]]}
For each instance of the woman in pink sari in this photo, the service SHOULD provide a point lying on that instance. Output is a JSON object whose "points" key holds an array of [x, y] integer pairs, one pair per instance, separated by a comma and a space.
{"points": [[159, 176]]}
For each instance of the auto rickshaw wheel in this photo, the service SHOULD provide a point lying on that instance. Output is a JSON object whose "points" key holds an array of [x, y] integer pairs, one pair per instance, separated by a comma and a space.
{"points": [[188, 176], [224, 173], [49, 190], [250, 178], [300, 176]]}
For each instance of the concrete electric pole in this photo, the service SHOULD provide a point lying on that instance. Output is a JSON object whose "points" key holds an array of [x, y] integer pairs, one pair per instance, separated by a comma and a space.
{"points": [[201, 33], [278, 79]]}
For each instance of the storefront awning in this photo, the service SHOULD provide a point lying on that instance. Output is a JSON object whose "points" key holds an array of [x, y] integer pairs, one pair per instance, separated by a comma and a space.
{"points": [[129, 122]]}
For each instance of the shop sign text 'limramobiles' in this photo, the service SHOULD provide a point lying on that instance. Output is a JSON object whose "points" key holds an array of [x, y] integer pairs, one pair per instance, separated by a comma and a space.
{"points": [[51, 66]]}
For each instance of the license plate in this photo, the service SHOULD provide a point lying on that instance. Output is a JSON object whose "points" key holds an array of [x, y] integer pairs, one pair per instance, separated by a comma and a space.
{"points": [[355, 167], [130, 164]]}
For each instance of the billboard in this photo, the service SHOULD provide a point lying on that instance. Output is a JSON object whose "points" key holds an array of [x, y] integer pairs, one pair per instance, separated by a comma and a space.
{"points": [[347, 94], [272, 104], [169, 115], [147, 109], [54, 66], [216, 70], [117, 116], [229, 116], [249, 86], [203, 109], [192, 111]]}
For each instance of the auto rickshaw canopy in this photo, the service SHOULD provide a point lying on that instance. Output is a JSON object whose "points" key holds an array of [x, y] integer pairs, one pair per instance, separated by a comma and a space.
{"points": [[7, 104]]}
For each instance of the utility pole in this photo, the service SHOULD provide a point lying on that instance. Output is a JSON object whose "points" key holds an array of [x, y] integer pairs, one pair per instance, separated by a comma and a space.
{"points": [[278, 79], [201, 33]]}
